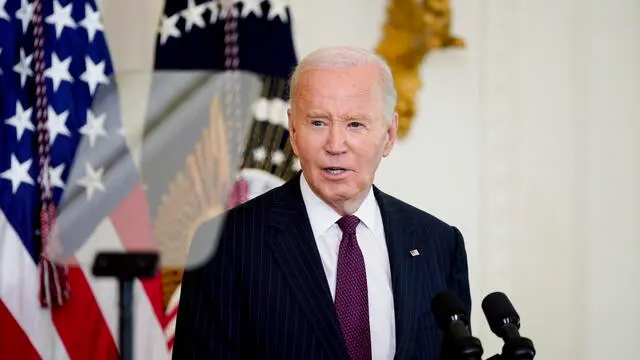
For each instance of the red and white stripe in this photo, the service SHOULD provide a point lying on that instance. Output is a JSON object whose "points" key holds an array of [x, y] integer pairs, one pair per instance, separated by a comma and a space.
{"points": [[172, 316], [28, 331], [86, 326]]}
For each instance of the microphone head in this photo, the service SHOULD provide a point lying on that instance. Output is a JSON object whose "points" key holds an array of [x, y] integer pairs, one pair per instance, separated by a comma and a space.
{"points": [[499, 312], [446, 306]]}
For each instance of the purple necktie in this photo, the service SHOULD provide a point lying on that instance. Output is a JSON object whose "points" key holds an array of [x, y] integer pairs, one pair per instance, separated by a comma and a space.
{"points": [[352, 300]]}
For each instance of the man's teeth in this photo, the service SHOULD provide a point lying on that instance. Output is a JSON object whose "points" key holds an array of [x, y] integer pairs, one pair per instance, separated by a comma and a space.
{"points": [[335, 170]]}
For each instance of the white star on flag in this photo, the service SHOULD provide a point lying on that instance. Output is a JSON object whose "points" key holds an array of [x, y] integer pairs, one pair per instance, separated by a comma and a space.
{"points": [[55, 176], [58, 71], [215, 12], [193, 15], [259, 154], [92, 180], [21, 120], [56, 123], [18, 173], [278, 112], [91, 22], [94, 127], [3, 11], [277, 157], [94, 74], [168, 28], [25, 13], [278, 8], [251, 6], [261, 109], [61, 17], [23, 67]]}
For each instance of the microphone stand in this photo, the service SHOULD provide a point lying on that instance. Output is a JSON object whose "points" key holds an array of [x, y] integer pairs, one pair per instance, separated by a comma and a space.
{"points": [[516, 347], [125, 267], [463, 348], [511, 351], [501, 357]]}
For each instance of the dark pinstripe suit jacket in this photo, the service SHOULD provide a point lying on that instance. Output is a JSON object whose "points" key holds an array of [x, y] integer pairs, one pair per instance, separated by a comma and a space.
{"points": [[264, 294]]}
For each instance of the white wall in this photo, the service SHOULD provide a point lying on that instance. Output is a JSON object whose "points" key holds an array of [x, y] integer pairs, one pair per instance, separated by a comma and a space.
{"points": [[528, 140]]}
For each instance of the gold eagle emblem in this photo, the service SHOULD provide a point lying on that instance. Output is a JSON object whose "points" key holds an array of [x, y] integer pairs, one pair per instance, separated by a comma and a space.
{"points": [[412, 29], [194, 196]]}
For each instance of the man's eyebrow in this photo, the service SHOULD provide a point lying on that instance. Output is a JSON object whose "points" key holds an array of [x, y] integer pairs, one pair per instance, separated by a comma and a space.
{"points": [[358, 116], [317, 114]]}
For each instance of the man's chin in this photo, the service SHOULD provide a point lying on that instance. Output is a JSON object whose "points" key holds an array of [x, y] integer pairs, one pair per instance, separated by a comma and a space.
{"points": [[340, 197]]}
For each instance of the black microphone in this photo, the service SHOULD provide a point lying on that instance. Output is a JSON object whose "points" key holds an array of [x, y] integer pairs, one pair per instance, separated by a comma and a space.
{"points": [[453, 320], [504, 321]]}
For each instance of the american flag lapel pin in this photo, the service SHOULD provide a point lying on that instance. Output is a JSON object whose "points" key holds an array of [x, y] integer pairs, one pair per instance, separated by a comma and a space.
{"points": [[414, 252]]}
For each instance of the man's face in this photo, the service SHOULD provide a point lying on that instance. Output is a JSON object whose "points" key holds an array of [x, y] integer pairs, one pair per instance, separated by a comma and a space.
{"points": [[339, 132]]}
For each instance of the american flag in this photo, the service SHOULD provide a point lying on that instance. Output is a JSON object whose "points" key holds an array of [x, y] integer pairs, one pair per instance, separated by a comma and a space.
{"points": [[252, 36], [62, 148]]}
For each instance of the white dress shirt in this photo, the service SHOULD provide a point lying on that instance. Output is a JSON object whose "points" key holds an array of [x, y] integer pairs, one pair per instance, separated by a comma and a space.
{"points": [[372, 243]]}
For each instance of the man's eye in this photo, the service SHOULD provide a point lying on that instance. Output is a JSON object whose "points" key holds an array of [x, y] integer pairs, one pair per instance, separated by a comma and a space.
{"points": [[317, 123], [355, 124]]}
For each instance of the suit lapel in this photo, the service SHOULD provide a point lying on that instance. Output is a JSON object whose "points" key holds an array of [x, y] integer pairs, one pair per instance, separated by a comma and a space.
{"points": [[296, 251], [405, 277]]}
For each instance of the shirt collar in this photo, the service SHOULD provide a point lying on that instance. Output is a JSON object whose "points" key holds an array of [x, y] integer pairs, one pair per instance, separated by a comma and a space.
{"points": [[322, 216]]}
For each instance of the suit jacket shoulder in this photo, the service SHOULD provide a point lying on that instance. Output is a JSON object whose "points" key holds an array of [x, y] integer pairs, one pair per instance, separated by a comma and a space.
{"points": [[443, 243], [207, 237], [420, 219]]}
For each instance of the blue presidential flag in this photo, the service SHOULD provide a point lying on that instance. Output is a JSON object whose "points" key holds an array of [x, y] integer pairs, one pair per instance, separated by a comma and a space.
{"points": [[218, 65]]}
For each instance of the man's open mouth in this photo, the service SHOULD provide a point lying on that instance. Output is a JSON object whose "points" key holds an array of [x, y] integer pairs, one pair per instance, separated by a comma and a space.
{"points": [[335, 170]]}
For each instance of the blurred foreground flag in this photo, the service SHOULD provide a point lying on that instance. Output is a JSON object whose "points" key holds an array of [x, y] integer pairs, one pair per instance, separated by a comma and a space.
{"points": [[66, 171], [227, 64]]}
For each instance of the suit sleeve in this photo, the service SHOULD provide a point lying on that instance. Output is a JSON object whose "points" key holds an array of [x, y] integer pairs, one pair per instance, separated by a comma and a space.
{"points": [[459, 276], [209, 323], [458, 281]]}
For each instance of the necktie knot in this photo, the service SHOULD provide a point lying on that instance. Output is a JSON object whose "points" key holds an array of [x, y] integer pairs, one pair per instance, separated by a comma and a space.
{"points": [[348, 224]]}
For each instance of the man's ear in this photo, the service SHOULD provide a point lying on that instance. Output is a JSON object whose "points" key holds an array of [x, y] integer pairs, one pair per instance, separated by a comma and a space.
{"points": [[391, 135], [292, 131]]}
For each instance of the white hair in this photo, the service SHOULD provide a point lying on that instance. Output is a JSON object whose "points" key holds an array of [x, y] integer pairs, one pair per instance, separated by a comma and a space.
{"points": [[344, 57]]}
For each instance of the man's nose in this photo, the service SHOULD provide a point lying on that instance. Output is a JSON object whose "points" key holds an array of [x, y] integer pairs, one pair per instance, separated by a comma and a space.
{"points": [[336, 141]]}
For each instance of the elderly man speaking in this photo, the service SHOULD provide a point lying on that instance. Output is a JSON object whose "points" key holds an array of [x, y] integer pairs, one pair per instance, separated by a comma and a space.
{"points": [[326, 266]]}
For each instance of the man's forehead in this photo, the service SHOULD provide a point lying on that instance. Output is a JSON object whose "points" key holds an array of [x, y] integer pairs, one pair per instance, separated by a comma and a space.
{"points": [[356, 75], [321, 89], [324, 94]]}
